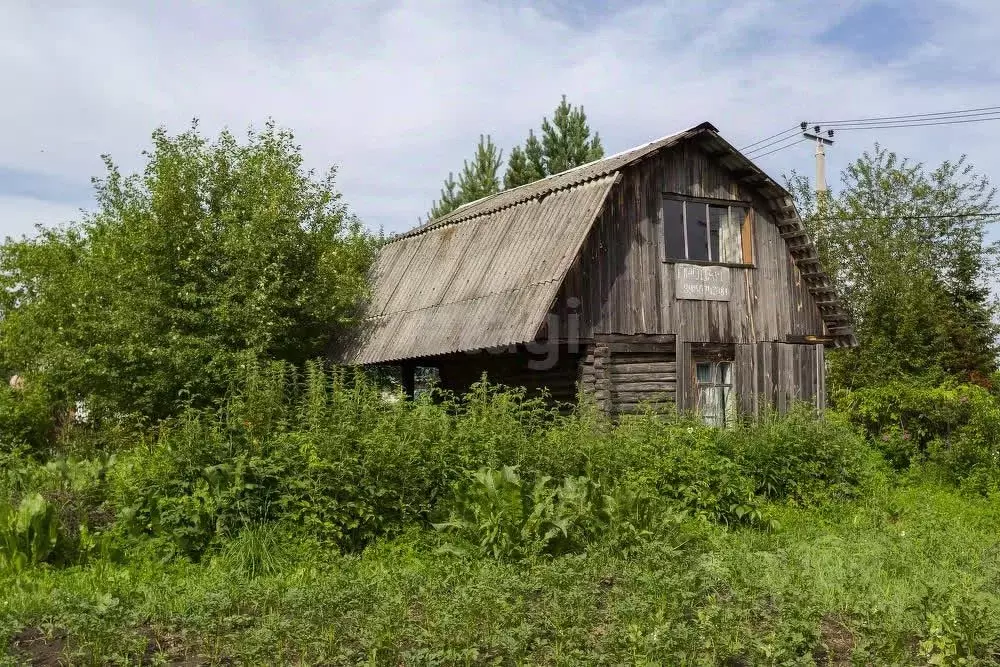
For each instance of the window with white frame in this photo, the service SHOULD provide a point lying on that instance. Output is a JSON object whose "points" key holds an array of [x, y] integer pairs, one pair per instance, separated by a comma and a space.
{"points": [[705, 231], [716, 401]]}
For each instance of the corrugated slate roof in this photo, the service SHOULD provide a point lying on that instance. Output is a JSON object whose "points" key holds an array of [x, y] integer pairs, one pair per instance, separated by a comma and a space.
{"points": [[487, 282]]}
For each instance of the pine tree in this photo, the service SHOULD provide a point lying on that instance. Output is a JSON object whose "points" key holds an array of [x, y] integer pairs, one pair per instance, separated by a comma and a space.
{"points": [[481, 178], [478, 179], [450, 199], [526, 164], [565, 143]]}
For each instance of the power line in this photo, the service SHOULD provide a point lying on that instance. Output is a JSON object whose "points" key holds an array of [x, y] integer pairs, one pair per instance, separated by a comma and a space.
{"points": [[769, 144], [939, 216], [837, 124], [895, 125], [779, 148], [942, 114], [791, 129], [959, 116]]}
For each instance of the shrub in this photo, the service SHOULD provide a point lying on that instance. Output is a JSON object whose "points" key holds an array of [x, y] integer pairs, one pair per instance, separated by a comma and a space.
{"points": [[801, 456], [324, 451], [955, 428], [681, 460], [26, 417], [919, 414]]}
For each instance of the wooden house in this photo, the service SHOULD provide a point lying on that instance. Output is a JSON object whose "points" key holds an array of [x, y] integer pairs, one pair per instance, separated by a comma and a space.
{"points": [[674, 272]]}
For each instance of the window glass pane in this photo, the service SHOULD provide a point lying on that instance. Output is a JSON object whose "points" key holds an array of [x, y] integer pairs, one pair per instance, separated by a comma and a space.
{"points": [[703, 371], [673, 228], [731, 247], [697, 231], [718, 221]]}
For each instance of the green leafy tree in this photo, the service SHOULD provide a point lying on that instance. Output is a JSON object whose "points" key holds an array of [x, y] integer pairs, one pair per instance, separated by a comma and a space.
{"points": [[907, 247], [566, 143], [217, 255], [479, 178]]}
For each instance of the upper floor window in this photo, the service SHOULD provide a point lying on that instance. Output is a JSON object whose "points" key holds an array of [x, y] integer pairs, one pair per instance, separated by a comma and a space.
{"points": [[703, 231]]}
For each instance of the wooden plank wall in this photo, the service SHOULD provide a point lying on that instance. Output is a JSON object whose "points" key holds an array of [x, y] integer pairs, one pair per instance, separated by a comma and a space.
{"points": [[780, 375], [624, 373], [622, 285]]}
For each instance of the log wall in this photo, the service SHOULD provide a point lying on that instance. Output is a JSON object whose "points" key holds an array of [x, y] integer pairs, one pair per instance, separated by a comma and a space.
{"points": [[627, 374]]}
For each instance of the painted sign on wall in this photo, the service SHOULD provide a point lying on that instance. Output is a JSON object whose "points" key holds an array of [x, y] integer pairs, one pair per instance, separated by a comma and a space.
{"points": [[703, 283]]}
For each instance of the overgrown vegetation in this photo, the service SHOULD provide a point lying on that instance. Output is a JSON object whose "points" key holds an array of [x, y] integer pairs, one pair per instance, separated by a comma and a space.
{"points": [[219, 254], [907, 247], [309, 519], [181, 483]]}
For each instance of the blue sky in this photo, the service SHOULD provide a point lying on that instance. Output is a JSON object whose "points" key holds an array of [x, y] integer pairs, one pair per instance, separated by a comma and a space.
{"points": [[397, 93]]}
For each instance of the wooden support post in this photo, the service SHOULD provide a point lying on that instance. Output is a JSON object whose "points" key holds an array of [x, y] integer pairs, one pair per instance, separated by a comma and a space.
{"points": [[409, 371]]}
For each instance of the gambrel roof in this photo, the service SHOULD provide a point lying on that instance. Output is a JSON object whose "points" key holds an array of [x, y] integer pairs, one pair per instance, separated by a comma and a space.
{"points": [[486, 274]]}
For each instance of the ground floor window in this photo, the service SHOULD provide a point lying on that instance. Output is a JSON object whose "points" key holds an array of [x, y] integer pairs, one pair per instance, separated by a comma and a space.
{"points": [[716, 401]]}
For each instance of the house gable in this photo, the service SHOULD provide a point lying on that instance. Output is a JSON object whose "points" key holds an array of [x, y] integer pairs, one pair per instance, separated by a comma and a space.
{"points": [[624, 283], [588, 243]]}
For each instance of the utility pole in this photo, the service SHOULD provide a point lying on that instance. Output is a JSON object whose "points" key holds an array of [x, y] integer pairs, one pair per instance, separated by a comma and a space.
{"points": [[821, 144]]}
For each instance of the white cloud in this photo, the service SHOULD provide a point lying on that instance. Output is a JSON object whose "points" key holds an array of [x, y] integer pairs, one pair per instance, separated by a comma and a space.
{"points": [[397, 94]]}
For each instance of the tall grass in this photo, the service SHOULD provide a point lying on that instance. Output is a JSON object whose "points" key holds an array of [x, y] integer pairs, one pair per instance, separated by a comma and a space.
{"points": [[295, 523]]}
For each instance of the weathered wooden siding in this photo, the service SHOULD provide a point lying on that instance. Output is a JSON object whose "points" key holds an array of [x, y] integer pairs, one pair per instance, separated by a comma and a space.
{"points": [[623, 285], [766, 375], [779, 375]]}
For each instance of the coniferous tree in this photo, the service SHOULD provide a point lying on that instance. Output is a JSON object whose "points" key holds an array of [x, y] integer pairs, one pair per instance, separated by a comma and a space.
{"points": [[481, 177], [478, 179], [526, 164], [449, 201], [566, 143]]}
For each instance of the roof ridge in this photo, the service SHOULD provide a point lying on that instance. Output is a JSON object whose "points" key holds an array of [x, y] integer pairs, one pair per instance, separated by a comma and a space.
{"points": [[552, 183]]}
